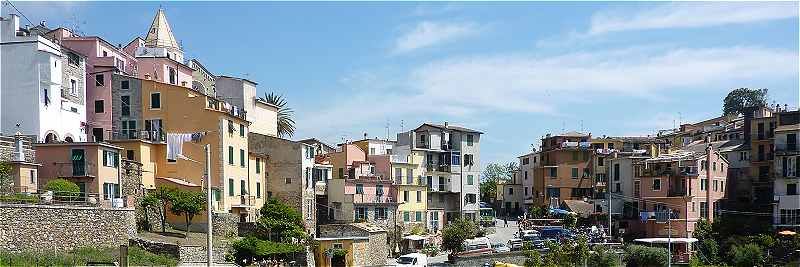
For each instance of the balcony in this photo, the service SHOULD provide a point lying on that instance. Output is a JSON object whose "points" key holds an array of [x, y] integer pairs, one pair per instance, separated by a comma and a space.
{"points": [[398, 159], [154, 136], [76, 169], [786, 149], [320, 188], [214, 104], [578, 145], [374, 199], [424, 145], [244, 202], [676, 192]]}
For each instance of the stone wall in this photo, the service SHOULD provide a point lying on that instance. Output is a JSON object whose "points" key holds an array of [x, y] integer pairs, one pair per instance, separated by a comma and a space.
{"points": [[8, 144], [63, 228], [197, 254], [224, 224], [378, 249], [515, 257]]}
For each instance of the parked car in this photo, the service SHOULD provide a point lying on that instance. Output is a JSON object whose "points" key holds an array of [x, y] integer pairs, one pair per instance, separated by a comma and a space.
{"points": [[515, 244], [500, 247], [412, 259], [556, 233], [477, 246]]}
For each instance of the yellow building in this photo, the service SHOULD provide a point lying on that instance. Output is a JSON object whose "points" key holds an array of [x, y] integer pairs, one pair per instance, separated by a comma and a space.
{"points": [[165, 108], [412, 190]]}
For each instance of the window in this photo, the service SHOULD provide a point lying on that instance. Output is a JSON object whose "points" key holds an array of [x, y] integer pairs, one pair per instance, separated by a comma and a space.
{"points": [[105, 53], [125, 103], [341, 173], [406, 216], [379, 189], [468, 159], [410, 176], [230, 155], [470, 198], [405, 196], [173, 76], [791, 189], [110, 159], [616, 172], [715, 185], [381, 213], [243, 188], [125, 84], [359, 189], [553, 172], [574, 173], [258, 165], [98, 106], [73, 59], [636, 188], [418, 216], [231, 127], [242, 159], [574, 155], [656, 184], [230, 187], [155, 100], [241, 130], [470, 180], [33, 176], [110, 191], [526, 175], [703, 184], [129, 154], [525, 161], [470, 140], [510, 190], [419, 196], [714, 166], [288, 180], [600, 162], [456, 159], [99, 80], [372, 151], [398, 175], [258, 190], [361, 213], [73, 87], [617, 188], [704, 209]]}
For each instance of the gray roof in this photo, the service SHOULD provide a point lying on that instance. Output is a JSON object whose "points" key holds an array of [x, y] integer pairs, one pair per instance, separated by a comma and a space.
{"points": [[450, 127]]}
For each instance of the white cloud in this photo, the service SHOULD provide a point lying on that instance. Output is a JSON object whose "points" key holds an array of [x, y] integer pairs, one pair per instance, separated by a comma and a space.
{"points": [[692, 15], [476, 88], [428, 33]]}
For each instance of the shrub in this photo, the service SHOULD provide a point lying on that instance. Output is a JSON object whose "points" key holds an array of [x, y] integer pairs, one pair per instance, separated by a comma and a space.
{"points": [[603, 258], [430, 250], [19, 198], [454, 234], [63, 189], [747, 255], [641, 256]]}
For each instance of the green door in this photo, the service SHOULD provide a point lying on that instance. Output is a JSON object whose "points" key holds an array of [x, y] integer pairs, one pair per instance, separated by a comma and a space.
{"points": [[78, 162]]}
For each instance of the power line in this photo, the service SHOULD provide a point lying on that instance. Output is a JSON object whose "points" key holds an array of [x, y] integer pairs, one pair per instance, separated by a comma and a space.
{"points": [[20, 12]]}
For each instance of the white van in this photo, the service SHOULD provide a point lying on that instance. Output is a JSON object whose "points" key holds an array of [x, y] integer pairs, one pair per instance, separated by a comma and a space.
{"points": [[477, 246], [413, 259]]}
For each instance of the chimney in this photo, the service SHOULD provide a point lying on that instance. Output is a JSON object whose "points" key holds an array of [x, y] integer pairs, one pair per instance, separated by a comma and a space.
{"points": [[365, 135], [19, 154]]}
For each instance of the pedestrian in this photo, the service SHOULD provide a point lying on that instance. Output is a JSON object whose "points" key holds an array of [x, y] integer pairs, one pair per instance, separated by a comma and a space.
{"points": [[505, 221]]}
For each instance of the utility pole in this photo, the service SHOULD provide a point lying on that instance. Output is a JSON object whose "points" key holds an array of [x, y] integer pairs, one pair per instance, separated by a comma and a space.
{"points": [[608, 188], [209, 199], [669, 237]]}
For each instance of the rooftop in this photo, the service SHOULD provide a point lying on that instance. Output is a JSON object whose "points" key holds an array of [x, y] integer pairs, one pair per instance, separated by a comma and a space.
{"points": [[450, 127]]}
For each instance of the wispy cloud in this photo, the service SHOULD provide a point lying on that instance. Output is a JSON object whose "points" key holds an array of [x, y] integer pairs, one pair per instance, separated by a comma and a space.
{"points": [[470, 88], [430, 33], [691, 15]]}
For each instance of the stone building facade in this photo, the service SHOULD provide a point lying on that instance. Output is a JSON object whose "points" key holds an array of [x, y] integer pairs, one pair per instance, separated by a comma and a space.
{"points": [[365, 244]]}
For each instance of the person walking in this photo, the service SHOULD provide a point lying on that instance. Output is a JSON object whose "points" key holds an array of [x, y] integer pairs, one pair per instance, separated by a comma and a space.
{"points": [[505, 221]]}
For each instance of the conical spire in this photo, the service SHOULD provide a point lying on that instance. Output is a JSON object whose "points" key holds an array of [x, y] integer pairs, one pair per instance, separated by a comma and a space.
{"points": [[160, 34]]}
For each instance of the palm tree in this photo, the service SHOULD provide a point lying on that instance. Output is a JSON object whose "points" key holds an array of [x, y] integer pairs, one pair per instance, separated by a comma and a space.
{"points": [[285, 121]]}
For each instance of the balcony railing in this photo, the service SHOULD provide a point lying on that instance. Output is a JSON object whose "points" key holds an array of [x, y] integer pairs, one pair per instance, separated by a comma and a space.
{"points": [[373, 199], [787, 148], [423, 145], [245, 201], [232, 110], [74, 169], [154, 136]]}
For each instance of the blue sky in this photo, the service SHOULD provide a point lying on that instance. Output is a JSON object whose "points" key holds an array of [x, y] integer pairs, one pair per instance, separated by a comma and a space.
{"points": [[513, 70]]}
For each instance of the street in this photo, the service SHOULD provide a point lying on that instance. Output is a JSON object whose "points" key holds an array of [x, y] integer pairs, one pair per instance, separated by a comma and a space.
{"points": [[501, 235]]}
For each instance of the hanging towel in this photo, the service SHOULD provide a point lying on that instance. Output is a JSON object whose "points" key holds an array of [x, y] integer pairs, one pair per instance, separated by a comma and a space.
{"points": [[175, 145], [196, 137]]}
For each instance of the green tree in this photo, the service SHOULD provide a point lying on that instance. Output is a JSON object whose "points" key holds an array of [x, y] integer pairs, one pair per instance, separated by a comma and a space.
{"points": [[188, 204], [641, 256], [148, 201], [279, 235], [454, 235], [165, 195], [492, 174], [739, 99], [63, 189], [570, 220], [603, 258], [747, 255], [6, 183], [285, 121]]}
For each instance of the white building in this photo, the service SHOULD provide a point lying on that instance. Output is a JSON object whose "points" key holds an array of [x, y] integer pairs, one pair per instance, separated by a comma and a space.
{"points": [[242, 93], [452, 167], [786, 213], [43, 90], [527, 169]]}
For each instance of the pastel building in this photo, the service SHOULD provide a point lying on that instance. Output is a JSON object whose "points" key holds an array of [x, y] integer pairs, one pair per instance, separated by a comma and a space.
{"points": [[786, 211], [407, 168], [159, 56], [452, 168], [43, 89], [241, 94], [103, 60], [361, 189], [564, 171], [93, 166], [527, 170]]}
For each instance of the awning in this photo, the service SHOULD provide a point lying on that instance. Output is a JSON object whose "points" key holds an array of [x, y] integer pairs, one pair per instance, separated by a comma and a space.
{"points": [[664, 240], [414, 237], [559, 211]]}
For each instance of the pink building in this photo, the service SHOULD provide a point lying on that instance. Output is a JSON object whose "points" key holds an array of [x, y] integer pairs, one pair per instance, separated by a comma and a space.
{"points": [[159, 56], [102, 60], [362, 188]]}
